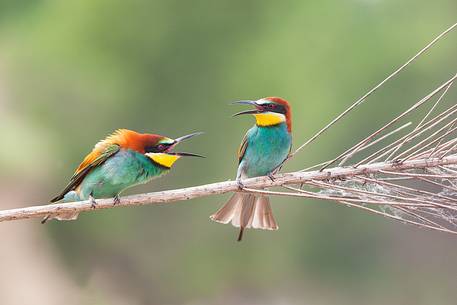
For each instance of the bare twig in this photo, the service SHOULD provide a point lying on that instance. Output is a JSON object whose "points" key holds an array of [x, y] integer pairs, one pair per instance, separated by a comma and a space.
{"points": [[376, 156], [220, 188], [422, 121], [363, 98], [362, 148], [380, 130]]}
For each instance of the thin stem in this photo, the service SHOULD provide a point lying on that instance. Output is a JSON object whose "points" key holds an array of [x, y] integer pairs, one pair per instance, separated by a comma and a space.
{"points": [[225, 187], [362, 99]]}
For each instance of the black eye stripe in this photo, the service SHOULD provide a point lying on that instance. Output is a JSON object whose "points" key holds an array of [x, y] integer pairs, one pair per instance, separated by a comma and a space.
{"points": [[157, 148], [275, 108]]}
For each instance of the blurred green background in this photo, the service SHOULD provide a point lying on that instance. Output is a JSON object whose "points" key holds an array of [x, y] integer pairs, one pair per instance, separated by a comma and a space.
{"points": [[73, 71]]}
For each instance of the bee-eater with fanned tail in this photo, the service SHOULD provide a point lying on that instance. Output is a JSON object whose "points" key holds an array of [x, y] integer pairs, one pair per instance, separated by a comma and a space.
{"points": [[264, 149], [122, 160]]}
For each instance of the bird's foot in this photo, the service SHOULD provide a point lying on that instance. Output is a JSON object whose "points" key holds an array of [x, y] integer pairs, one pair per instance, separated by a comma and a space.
{"points": [[240, 184], [116, 200], [271, 176], [92, 201]]}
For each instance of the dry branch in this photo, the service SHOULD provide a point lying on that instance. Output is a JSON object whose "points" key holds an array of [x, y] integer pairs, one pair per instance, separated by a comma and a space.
{"points": [[225, 187]]}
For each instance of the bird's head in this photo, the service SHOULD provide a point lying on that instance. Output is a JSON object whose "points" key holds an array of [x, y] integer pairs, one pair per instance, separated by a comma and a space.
{"points": [[269, 111], [160, 149]]}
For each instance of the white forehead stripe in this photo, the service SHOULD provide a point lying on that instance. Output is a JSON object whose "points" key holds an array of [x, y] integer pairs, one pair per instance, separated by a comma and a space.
{"points": [[167, 141], [262, 102]]}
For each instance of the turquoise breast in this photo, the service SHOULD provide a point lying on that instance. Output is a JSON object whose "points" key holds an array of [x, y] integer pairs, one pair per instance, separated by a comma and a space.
{"points": [[267, 148]]}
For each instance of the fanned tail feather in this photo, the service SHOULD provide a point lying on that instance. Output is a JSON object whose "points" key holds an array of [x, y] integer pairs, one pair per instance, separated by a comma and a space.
{"points": [[61, 217], [247, 211], [68, 197]]}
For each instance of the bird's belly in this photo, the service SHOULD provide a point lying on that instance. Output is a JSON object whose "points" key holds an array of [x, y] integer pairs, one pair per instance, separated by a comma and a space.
{"points": [[118, 173], [267, 150]]}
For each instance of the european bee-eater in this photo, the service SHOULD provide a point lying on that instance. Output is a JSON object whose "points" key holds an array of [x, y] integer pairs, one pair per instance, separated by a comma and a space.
{"points": [[263, 150], [122, 160]]}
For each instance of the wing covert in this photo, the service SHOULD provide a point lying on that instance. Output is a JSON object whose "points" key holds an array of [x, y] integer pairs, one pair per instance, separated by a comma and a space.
{"points": [[242, 148], [92, 160]]}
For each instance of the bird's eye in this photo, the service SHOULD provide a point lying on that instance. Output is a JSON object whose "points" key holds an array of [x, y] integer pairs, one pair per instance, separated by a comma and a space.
{"points": [[161, 147], [271, 106]]}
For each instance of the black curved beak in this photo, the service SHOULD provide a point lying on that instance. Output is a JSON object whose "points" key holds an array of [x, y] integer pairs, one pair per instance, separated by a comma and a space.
{"points": [[252, 103], [185, 154], [184, 138]]}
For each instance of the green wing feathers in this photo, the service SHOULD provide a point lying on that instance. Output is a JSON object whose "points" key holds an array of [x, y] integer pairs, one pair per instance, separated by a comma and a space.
{"points": [[242, 149], [97, 158]]}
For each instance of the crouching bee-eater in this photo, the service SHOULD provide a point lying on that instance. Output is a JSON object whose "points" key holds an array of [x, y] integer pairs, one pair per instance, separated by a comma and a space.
{"points": [[122, 160], [263, 150]]}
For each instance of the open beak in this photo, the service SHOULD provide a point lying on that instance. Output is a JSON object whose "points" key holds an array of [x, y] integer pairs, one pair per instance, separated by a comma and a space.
{"points": [[184, 138], [253, 103], [185, 154]]}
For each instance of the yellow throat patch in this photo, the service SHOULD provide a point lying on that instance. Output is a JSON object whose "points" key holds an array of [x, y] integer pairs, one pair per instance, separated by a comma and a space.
{"points": [[269, 118], [165, 160]]}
